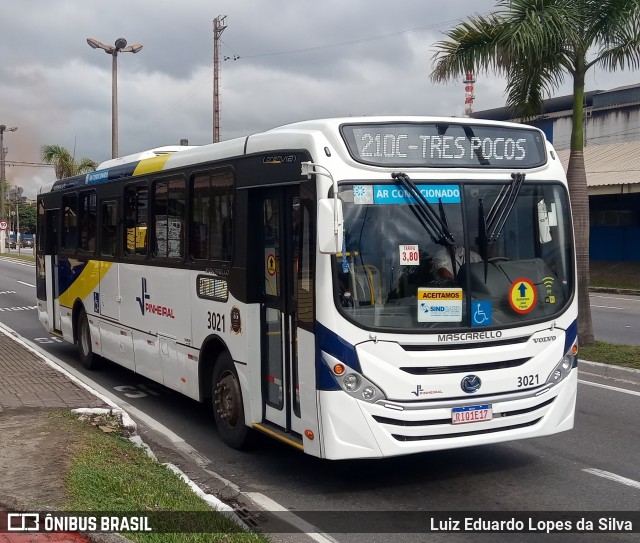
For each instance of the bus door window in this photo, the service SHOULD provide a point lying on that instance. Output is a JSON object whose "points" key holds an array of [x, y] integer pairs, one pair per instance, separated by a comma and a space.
{"points": [[41, 284], [58, 268], [300, 272], [273, 315], [108, 234]]}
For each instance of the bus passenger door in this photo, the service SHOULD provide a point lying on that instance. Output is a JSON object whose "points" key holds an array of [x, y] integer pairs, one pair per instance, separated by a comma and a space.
{"points": [[280, 383], [52, 267]]}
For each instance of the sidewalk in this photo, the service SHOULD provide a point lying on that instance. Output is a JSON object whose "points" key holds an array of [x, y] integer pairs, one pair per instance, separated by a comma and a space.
{"points": [[29, 388]]}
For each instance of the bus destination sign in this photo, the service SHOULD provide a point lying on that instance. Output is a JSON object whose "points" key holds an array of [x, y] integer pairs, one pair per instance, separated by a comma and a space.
{"points": [[445, 145]]}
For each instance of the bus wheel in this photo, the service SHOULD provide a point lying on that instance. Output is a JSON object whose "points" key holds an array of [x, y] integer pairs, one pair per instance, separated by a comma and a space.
{"points": [[228, 410], [85, 351]]}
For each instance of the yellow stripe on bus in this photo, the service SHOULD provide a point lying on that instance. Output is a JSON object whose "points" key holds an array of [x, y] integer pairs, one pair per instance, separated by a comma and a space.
{"points": [[279, 437], [153, 164], [86, 282]]}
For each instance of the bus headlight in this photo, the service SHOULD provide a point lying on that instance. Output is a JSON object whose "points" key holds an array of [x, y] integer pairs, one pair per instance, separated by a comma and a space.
{"points": [[360, 387], [562, 369], [368, 392], [353, 382]]}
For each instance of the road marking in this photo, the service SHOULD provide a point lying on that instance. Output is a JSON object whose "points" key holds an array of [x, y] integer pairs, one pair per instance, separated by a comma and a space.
{"points": [[27, 284], [291, 518], [606, 307], [630, 299], [18, 262], [609, 387], [613, 477]]}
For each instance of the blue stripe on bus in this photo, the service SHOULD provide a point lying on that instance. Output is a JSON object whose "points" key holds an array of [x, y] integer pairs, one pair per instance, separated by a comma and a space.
{"points": [[337, 347], [68, 271], [570, 337]]}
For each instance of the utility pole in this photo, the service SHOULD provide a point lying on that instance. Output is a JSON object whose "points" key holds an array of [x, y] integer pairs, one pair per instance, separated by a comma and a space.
{"points": [[120, 46], [218, 29], [3, 153]]}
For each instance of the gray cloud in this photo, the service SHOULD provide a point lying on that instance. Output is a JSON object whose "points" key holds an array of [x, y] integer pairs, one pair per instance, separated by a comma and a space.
{"points": [[299, 59]]}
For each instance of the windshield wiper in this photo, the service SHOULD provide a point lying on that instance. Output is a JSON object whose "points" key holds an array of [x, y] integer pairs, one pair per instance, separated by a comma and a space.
{"points": [[502, 207], [436, 226], [490, 226]]}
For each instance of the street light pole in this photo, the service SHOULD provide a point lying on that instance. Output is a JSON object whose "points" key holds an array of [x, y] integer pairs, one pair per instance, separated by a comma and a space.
{"points": [[120, 46], [3, 129]]}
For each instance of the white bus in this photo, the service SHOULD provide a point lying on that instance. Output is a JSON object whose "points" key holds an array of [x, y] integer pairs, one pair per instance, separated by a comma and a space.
{"points": [[355, 287]]}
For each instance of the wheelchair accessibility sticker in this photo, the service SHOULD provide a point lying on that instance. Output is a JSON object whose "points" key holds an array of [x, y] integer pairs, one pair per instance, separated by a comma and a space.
{"points": [[480, 313]]}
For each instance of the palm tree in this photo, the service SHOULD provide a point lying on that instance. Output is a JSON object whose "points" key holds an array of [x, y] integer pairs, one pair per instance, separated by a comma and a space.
{"points": [[535, 44], [64, 163]]}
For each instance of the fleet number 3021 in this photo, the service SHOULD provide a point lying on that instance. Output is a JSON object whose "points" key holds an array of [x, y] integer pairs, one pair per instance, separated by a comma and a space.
{"points": [[528, 380], [215, 321]]}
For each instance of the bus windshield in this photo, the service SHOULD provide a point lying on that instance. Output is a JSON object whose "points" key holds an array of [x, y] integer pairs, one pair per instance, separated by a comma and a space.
{"points": [[395, 274]]}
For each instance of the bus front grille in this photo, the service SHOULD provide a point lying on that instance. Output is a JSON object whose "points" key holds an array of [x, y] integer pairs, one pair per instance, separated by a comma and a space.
{"points": [[466, 368], [462, 434]]}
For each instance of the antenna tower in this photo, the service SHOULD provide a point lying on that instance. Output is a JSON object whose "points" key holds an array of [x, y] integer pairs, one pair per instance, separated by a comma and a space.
{"points": [[468, 94], [218, 29]]}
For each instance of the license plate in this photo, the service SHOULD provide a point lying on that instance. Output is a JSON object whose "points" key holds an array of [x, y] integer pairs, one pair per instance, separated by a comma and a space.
{"points": [[471, 413]]}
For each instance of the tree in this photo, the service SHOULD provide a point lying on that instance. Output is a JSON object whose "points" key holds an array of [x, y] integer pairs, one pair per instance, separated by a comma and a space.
{"points": [[27, 218], [64, 162], [535, 44]]}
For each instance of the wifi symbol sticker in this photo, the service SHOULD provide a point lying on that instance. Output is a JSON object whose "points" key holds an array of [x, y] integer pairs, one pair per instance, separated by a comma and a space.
{"points": [[548, 284]]}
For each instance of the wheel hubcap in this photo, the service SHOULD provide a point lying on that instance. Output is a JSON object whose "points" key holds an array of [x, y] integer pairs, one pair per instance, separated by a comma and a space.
{"points": [[84, 339], [227, 401]]}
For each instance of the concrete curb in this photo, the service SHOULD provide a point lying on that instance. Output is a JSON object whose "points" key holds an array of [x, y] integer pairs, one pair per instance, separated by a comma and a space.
{"points": [[612, 372], [610, 290]]}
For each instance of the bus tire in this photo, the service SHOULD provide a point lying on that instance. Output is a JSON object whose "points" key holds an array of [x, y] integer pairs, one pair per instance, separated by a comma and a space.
{"points": [[228, 408], [83, 342]]}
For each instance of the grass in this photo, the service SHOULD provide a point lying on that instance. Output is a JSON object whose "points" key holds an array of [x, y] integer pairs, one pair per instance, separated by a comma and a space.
{"points": [[28, 257], [109, 474], [626, 283], [609, 353]]}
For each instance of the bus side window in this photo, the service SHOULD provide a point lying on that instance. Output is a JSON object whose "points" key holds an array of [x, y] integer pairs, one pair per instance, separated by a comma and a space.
{"points": [[137, 199], [211, 215], [88, 221], [109, 229], [70, 222]]}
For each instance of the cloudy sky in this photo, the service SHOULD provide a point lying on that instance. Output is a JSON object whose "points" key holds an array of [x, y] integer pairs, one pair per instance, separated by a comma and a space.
{"points": [[299, 59]]}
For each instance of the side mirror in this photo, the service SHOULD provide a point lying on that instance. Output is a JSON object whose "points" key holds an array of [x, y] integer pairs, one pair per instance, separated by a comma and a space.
{"points": [[330, 226]]}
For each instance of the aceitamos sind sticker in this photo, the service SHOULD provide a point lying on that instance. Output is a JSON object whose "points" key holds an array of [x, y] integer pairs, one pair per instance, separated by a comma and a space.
{"points": [[439, 305]]}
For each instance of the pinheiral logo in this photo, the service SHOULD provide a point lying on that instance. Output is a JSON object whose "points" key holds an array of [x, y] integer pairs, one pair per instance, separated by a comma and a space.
{"points": [[148, 307]]}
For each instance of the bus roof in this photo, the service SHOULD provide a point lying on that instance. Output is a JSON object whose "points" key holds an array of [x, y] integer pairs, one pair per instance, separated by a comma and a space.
{"points": [[157, 159]]}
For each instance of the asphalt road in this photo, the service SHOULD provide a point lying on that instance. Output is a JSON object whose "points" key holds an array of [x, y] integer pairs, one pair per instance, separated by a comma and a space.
{"points": [[594, 467], [616, 318]]}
